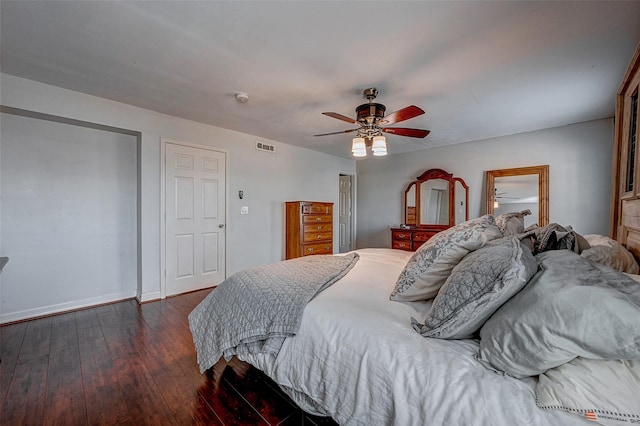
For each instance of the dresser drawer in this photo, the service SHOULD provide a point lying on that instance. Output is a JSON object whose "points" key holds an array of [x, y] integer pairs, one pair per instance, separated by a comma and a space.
{"points": [[319, 227], [316, 208], [400, 235], [315, 218], [401, 245], [310, 237], [416, 245], [422, 236], [320, 248]]}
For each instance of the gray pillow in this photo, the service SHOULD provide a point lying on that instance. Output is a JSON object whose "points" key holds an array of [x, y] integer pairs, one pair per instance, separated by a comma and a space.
{"points": [[605, 391], [512, 223], [429, 267], [477, 287], [571, 307], [610, 252]]}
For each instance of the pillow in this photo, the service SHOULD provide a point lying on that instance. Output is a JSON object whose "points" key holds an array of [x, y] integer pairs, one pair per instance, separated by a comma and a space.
{"points": [[607, 392], [431, 264], [477, 287], [512, 223], [571, 307], [609, 252]]}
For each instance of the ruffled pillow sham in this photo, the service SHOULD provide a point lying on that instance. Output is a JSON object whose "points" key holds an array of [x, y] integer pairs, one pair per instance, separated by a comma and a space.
{"points": [[428, 268]]}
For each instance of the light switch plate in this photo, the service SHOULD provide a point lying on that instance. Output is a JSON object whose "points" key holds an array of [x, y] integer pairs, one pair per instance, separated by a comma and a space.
{"points": [[244, 210]]}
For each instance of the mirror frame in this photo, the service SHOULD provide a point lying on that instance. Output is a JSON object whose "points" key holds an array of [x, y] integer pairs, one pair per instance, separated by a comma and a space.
{"points": [[444, 175], [543, 188], [466, 198], [413, 184]]}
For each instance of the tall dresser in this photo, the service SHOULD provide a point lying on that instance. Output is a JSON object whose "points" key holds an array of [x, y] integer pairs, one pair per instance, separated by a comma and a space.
{"points": [[309, 228]]}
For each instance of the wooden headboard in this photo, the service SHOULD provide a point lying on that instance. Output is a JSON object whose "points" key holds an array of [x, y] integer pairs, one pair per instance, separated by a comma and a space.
{"points": [[629, 229], [625, 202]]}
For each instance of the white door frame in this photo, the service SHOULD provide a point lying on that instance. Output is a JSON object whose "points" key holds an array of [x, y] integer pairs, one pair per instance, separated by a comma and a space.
{"points": [[352, 237], [163, 216]]}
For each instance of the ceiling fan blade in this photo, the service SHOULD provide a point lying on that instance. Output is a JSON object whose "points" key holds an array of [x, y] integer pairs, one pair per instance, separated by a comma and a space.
{"points": [[403, 131], [337, 133], [402, 114], [340, 117]]}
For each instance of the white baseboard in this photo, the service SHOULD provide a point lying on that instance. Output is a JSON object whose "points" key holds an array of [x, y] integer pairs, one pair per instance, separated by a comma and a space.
{"points": [[62, 307], [148, 297]]}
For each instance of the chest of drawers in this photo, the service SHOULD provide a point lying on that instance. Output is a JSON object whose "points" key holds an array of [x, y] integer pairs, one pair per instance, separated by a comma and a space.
{"points": [[309, 228]]}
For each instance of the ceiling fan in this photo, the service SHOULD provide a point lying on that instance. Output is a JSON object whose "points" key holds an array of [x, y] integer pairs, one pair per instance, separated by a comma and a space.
{"points": [[501, 195], [372, 121]]}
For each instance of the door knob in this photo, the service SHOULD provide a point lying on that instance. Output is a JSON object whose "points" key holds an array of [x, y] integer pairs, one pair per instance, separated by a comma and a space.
{"points": [[221, 225]]}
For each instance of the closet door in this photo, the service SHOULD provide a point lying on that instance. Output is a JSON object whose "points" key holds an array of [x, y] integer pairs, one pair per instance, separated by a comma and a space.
{"points": [[195, 218], [625, 208]]}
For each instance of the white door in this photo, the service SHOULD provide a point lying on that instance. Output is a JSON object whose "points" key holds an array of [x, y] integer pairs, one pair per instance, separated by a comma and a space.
{"points": [[195, 218], [345, 214]]}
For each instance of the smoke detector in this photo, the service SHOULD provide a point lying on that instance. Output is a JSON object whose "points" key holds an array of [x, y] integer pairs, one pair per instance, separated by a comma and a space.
{"points": [[242, 97]]}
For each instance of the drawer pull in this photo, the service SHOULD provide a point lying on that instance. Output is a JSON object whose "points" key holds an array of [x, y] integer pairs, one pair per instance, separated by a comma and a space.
{"points": [[318, 219], [310, 249], [401, 235], [326, 247], [319, 227], [401, 245], [319, 237]]}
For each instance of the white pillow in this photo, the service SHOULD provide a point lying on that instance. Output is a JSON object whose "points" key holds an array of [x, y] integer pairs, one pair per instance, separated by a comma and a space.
{"points": [[605, 391], [428, 268]]}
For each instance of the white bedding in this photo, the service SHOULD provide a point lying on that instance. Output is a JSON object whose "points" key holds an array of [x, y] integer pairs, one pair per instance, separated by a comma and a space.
{"points": [[358, 359]]}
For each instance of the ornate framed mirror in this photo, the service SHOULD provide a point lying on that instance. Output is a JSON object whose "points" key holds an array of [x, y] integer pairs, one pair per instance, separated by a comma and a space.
{"points": [[433, 202], [436, 199], [511, 190]]}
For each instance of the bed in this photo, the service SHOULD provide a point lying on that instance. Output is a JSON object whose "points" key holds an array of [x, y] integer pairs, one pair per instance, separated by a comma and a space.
{"points": [[383, 342]]}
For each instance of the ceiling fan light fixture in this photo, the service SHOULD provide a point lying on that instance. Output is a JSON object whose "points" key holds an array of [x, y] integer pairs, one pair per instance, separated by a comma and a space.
{"points": [[379, 146], [358, 147]]}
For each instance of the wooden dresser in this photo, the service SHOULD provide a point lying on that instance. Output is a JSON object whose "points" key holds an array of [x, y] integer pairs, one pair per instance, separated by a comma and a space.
{"points": [[412, 238], [309, 228]]}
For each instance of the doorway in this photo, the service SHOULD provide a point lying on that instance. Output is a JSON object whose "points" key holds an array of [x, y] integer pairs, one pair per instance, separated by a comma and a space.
{"points": [[195, 216], [346, 212]]}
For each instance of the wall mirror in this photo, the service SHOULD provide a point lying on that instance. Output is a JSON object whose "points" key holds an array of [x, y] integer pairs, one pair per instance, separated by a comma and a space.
{"points": [[436, 199], [512, 190]]}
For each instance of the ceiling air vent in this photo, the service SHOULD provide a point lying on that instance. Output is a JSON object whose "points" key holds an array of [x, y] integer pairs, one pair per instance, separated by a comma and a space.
{"points": [[261, 146]]}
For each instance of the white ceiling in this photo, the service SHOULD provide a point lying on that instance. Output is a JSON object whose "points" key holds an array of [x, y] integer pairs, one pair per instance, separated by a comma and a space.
{"points": [[479, 69]]}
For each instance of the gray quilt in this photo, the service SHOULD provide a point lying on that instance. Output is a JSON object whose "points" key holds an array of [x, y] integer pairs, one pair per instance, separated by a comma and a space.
{"points": [[254, 310]]}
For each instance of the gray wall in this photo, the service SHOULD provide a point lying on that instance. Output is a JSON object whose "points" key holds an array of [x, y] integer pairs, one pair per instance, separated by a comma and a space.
{"points": [[579, 158], [291, 173], [68, 216]]}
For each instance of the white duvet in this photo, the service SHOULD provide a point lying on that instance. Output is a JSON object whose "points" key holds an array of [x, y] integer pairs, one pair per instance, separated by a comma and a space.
{"points": [[357, 359]]}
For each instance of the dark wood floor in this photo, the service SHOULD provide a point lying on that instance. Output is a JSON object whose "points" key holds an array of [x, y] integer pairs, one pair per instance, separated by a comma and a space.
{"points": [[129, 364]]}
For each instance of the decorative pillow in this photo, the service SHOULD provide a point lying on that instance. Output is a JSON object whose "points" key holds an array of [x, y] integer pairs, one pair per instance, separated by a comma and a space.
{"points": [[512, 223], [431, 264], [607, 392], [609, 252], [477, 287], [571, 307]]}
